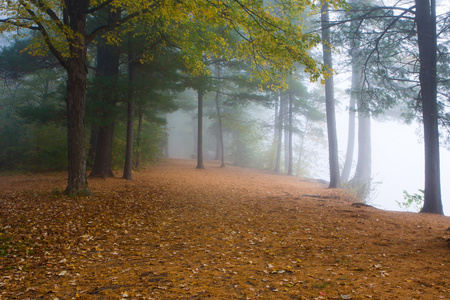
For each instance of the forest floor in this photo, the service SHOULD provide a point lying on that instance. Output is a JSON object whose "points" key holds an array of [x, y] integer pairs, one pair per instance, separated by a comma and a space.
{"points": [[176, 232]]}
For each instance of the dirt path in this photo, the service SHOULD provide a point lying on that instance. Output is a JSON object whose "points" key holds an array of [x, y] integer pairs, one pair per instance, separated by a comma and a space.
{"points": [[176, 232]]}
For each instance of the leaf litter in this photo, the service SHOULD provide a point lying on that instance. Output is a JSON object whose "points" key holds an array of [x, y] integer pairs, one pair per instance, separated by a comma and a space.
{"points": [[176, 232]]}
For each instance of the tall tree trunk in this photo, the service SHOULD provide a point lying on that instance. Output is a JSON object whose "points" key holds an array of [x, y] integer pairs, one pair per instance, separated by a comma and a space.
{"points": [[279, 128], [290, 170], [75, 100], [285, 104], [127, 170], [351, 128], [427, 40], [220, 131], [200, 130], [138, 138], [329, 100], [107, 73]]}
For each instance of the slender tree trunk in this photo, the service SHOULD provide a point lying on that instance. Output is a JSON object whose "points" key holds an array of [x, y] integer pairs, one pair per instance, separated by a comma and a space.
{"points": [[329, 101], [351, 129], [138, 138], [279, 128], [285, 104], [127, 170], [427, 40], [291, 121], [220, 139], [200, 130]]}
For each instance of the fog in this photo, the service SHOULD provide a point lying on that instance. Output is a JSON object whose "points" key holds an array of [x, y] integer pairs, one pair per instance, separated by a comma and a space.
{"points": [[397, 155], [398, 162]]}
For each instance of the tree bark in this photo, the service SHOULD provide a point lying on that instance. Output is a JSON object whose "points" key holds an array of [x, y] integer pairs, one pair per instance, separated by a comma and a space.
{"points": [[351, 127], [138, 139], [279, 128], [107, 72], [92, 145], [220, 135], [290, 170], [361, 182], [127, 170], [285, 104], [329, 101], [200, 130], [427, 40], [75, 100]]}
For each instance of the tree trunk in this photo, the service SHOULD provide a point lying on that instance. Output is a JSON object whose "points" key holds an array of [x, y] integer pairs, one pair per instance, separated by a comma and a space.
{"points": [[75, 100], [427, 40], [107, 73], [103, 154], [290, 170], [279, 128], [285, 104], [92, 145], [351, 129], [361, 182], [138, 138], [329, 100], [220, 133], [127, 170], [200, 130]]}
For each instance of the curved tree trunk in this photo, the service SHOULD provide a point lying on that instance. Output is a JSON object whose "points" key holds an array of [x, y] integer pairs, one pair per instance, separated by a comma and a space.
{"points": [[329, 101], [426, 33]]}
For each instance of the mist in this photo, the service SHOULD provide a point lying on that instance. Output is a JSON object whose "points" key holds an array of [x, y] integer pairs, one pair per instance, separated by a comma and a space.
{"points": [[397, 153]]}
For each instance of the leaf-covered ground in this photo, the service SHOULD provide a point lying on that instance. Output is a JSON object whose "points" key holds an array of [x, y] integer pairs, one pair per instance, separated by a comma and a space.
{"points": [[176, 232]]}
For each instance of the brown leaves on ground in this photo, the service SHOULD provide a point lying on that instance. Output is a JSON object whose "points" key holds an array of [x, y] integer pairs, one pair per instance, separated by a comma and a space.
{"points": [[176, 232]]}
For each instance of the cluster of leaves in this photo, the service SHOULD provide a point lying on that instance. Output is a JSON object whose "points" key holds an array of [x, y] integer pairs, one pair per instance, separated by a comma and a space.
{"points": [[414, 201]]}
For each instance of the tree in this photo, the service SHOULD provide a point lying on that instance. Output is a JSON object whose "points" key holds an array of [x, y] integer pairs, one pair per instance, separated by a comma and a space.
{"points": [[64, 34], [106, 80], [427, 42], [329, 100]]}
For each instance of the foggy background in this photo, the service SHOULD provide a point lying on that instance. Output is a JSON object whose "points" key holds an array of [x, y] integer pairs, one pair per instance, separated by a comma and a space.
{"points": [[397, 154]]}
